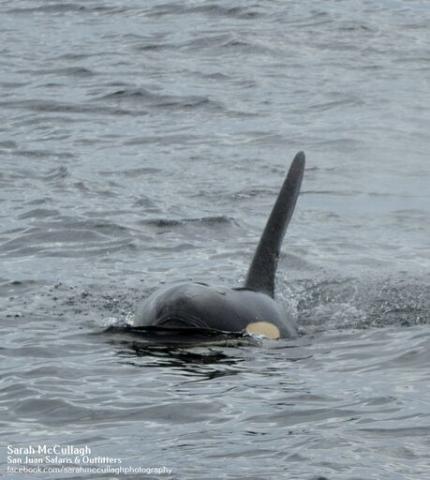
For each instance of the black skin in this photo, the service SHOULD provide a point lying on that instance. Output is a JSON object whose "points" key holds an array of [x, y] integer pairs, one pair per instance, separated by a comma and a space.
{"points": [[200, 306], [189, 305]]}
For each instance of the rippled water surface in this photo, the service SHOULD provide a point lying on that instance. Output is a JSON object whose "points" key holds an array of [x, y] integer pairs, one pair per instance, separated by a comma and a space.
{"points": [[143, 143]]}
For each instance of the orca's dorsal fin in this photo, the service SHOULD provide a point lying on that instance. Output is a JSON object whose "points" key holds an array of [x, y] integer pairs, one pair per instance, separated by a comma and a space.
{"points": [[261, 273]]}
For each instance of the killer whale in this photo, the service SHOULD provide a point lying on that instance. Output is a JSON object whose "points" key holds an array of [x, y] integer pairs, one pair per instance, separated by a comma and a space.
{"points": [[250, 308]]}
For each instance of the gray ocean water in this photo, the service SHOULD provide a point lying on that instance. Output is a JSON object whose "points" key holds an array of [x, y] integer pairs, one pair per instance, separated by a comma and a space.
{"points": [[143, 143]]}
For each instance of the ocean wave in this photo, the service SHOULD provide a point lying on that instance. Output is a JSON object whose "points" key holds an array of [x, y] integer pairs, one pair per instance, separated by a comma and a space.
{"points": [[207, 221], [159, 100]]}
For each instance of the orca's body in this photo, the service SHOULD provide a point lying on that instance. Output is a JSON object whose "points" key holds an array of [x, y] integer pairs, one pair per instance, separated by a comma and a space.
{"points": [[251, 308]]}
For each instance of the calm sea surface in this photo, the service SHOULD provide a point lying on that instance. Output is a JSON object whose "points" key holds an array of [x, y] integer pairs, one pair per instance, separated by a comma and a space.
{"points": [[145, 142]]}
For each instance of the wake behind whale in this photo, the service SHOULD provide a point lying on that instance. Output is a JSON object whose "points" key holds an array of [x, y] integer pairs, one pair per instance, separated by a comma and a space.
{"points": [[197, 307]]}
